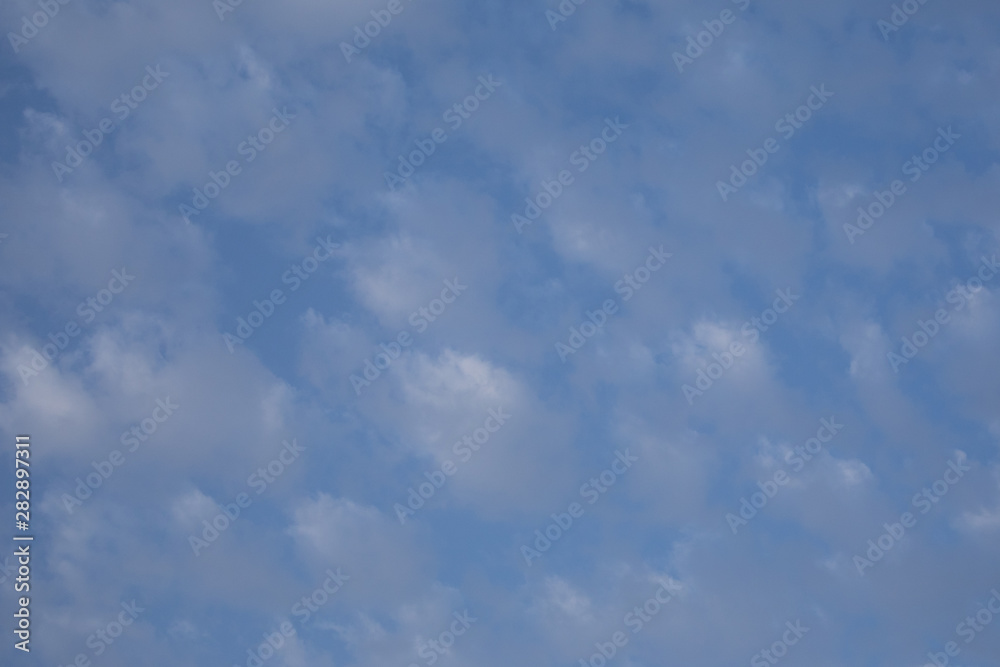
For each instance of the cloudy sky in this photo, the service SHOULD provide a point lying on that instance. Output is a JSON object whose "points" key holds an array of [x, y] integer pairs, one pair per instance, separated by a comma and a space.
{"points": [[423, 332]]}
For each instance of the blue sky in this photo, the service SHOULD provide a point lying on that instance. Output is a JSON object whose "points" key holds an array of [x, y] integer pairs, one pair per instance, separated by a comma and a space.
{"points": [[256, 369]]}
